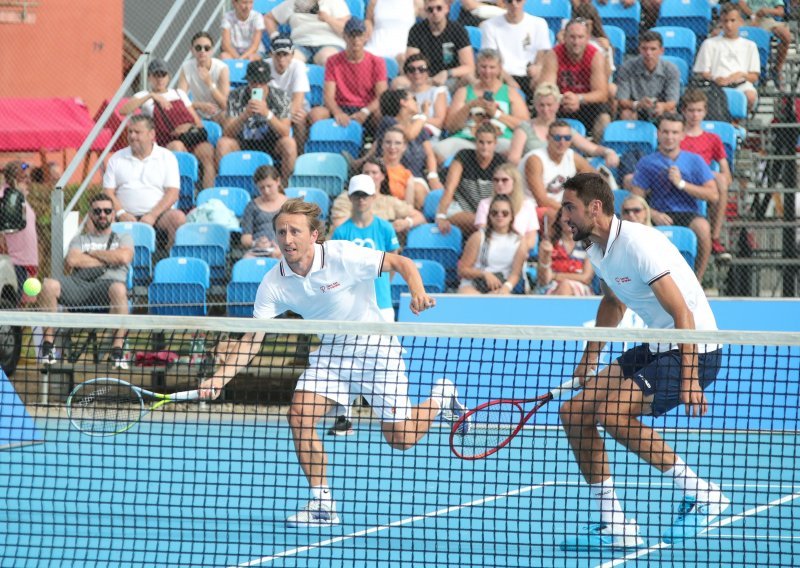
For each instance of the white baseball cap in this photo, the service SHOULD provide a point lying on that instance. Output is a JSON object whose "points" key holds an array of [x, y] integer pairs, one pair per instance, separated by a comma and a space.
{"points": [[361, 183]]}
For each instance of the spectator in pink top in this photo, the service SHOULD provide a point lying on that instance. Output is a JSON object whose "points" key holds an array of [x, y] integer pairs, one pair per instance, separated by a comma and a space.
{"points": [[22, 246], [354, 80]]}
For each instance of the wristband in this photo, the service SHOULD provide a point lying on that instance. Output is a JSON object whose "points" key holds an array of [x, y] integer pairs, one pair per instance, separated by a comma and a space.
{"points": [[365, 110], [410, 222], [580, 99], [419, 116], [682, 185], [498, 113], [120, 213], [508, 285], [433, 175], [635, 105], [270, 115], [441, 216]]}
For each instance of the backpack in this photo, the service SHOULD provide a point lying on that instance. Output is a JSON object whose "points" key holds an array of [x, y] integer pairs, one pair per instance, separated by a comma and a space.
{"points": [[717, 105], [12, 211]]}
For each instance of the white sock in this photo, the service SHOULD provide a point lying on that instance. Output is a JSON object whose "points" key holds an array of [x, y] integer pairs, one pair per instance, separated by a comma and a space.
{"points": [[686, 480], [321, 492], [603, 493]]}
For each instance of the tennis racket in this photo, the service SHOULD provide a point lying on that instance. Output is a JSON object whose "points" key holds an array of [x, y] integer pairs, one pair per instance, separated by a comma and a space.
{"points": [[107, 406], [489, 427]]}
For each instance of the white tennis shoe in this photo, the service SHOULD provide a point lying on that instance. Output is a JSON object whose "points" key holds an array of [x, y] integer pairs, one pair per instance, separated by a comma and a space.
{"points": [[446, 394], [317, 513]]}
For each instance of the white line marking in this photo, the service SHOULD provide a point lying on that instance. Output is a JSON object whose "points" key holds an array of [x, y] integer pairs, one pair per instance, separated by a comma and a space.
{"points": [[713, 526], [408, 520]]}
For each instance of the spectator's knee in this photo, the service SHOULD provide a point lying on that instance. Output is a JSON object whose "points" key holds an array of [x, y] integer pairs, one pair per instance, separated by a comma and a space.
{"points": [[51, 288]]}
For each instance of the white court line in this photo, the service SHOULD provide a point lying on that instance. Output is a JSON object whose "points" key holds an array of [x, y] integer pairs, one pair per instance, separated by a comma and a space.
{"points": [[713, 526], [406, 521]]}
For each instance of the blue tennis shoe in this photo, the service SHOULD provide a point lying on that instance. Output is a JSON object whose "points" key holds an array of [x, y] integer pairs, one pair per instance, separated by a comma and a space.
{"points": [[601, 535], [694, 515]]}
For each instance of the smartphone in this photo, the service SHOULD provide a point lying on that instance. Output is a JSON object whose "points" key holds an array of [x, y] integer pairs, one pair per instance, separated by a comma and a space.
{"points": [[257, 93], [488, 96]]}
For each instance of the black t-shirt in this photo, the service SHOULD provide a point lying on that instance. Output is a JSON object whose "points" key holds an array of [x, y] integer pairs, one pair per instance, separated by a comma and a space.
{"points": [[476, 182], [442, 50]]}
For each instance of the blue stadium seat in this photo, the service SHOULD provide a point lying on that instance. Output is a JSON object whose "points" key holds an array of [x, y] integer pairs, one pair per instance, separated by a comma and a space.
{"points": [[264, 6], [214, 131], [554, 12], [392, 68], [328, 136], [684, 239], [207, 241], [620, 195], [144, 246], [682, 66], [237, 69], [432, 204], [179, 287], [763, 40], [679, 42], [246, 277], [311, 195], [425, 242], [576, 125], [692, 14], [324, 170], [455, 10], [190, 172], [433, 279], [474, 37], [356, 8], [613, 13], [236, 169], [727, 132], [316, 80], [234, 198], [737, 103], [626, 135], [617, 39]]}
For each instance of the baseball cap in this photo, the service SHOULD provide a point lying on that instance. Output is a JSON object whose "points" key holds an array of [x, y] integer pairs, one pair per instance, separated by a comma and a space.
{"points": [[354, 26], [361, 183], [282, 44], [257, 72], [157, 66]]}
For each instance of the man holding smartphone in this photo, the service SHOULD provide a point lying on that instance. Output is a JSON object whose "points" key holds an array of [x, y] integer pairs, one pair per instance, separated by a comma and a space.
{"points": [[259, 118]]}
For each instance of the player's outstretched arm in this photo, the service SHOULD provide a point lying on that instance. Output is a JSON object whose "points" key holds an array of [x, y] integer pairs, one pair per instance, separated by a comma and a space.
{"points": [[239, 354], [420, 301]]}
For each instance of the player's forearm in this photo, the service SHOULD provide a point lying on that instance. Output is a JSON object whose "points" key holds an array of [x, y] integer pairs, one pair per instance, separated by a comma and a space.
{"points": [[235, 361]]}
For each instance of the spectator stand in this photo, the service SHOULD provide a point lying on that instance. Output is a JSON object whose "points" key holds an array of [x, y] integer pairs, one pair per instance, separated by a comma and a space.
{"points": [[614, 13], [246, 277], [325, 170], [236, 169], [179, 287]]}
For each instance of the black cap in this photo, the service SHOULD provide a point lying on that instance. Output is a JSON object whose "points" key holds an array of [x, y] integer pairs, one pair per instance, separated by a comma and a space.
{"points": [[157, 66], [282, 44], [257, 72]]}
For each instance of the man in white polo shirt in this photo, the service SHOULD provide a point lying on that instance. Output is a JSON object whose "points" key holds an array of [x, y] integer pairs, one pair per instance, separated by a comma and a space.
{"points": [[336, 281], [143, 181], [642, 270]]}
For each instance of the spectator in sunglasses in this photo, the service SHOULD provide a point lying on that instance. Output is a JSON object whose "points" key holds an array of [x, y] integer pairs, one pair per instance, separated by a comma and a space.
{"points": [[507, 180], [548, 168], [636, 210], [206, 79], [432, 99]]}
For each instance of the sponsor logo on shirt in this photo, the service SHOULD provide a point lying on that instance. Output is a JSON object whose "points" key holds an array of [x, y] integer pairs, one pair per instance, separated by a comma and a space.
{"points": [[329, 287], [622, 279]]}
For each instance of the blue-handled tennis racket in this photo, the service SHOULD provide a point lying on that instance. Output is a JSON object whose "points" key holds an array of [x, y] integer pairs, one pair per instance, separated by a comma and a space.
{"points": [[108, 406]]}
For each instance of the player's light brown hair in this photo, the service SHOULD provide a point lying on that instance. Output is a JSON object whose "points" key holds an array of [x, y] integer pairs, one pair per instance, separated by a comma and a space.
{"points": [[311, 211]]}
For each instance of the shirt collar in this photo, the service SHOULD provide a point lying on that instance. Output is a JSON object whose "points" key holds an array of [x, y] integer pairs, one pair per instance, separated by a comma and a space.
{"points": [[616, 227], [317, 264]]}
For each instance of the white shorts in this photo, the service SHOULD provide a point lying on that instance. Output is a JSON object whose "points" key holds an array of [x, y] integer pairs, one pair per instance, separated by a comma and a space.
{"points": [[376, 372]]}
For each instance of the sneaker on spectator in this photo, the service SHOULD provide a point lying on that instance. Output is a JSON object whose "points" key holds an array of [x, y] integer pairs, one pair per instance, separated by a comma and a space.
{"points": [[47, 354], [342, 427], [118, 359], [719, 250]]}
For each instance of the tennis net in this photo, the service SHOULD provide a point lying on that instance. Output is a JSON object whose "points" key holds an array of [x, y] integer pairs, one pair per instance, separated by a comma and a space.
{"points": [[212, 483]]}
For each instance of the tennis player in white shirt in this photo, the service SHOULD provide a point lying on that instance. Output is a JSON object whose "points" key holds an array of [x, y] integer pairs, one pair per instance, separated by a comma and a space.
{"points": [[335, 281], [641, 269]]}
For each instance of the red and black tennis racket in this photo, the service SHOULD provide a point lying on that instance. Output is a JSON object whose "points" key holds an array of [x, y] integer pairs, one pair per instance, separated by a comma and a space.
{"points": [[489, 427]]}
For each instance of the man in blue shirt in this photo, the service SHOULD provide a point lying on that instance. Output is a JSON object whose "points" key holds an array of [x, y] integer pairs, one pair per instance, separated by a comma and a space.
{"points": [[367, 230], [674, 183]]}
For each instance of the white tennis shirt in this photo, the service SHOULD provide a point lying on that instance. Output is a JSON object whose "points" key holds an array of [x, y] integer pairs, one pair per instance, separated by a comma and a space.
{"points": [[636, 256]]}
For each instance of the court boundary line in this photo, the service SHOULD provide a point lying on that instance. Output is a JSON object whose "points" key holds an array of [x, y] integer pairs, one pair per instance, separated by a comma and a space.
{"points": [[401, 522], [712, 527]]}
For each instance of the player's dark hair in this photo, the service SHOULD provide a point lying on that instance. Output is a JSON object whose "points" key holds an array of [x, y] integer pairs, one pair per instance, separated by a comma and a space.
{"points": [[384, 187], [590, 187], [311, 211]]}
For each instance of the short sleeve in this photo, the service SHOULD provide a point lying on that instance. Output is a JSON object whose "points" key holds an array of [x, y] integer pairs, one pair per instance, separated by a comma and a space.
{"points": [[266, 306], [702, 64], [672, 90], [172, 174], [125, 240], [623, 83], [258, 20], [247, 218], [336, 8], [110, 177], [390, 236], [226, 21], [75, 243]]}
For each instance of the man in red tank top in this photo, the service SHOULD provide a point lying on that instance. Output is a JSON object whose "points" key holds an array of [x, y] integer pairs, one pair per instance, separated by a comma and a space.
{"points": [[580, 73]]}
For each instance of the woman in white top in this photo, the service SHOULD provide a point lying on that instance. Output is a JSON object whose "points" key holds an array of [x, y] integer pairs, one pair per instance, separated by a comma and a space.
{"points": [[242, 29], [493, 257], [388, 22], [507, 180], [432, 99], [206, 78]]}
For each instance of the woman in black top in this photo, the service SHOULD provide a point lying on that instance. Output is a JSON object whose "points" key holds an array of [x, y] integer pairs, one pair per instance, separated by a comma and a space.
{"points": [[469, 180]]}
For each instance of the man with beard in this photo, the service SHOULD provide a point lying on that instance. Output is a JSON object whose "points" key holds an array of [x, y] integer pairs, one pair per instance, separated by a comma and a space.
{"points": [[639, 268], [99, 262]]}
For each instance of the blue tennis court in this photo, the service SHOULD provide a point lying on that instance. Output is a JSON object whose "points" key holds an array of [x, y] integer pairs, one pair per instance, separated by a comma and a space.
{"points": [[194, 490]]}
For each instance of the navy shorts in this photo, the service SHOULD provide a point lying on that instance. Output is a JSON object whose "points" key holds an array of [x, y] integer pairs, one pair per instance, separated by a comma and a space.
{"points": [[659, 374]]}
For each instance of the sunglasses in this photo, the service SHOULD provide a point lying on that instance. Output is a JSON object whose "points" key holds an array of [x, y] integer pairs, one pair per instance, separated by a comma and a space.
{"points": [[200, 47], [629, 210], [560, 137], [500, 212], [101, 211], [359, 195], [432, 9], [422, 69]]}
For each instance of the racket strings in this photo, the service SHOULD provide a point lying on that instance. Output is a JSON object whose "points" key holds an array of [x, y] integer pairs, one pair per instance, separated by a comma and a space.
{"points": [[105, 408], [488, 428]]}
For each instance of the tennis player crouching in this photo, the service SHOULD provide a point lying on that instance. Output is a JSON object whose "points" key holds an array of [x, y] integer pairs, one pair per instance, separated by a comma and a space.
{"points": [[640, 269], [336, 281]]}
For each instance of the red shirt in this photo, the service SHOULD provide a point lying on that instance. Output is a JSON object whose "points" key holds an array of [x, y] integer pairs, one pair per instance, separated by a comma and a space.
{"points": [[706, 145], [355, 82], [574, 76]]}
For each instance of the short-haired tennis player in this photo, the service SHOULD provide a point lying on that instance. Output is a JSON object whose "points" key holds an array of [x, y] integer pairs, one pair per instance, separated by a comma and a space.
{"points": [[336, 281], [640, 269]]}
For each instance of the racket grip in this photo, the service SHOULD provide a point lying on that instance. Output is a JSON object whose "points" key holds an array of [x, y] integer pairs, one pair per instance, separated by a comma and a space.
{"points": [[185, 395], [568, 386]]}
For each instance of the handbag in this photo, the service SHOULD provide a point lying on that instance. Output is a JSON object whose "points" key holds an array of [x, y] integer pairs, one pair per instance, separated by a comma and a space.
{"points": [[166, 122]]}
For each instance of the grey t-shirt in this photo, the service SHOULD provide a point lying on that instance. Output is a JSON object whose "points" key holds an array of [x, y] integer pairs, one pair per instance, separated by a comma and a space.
{"points": [[88, 243]]}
